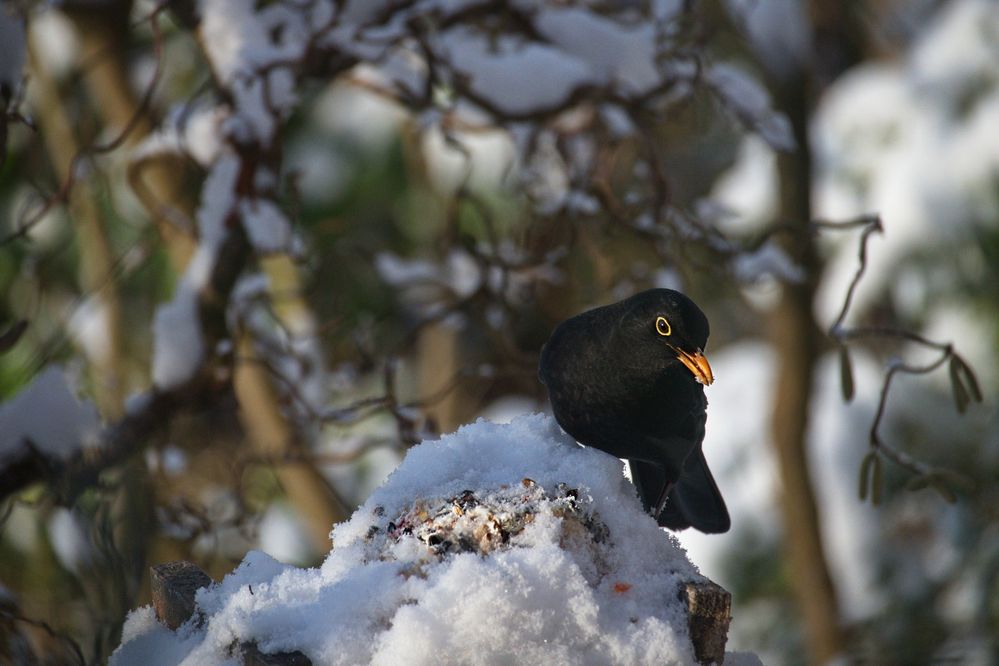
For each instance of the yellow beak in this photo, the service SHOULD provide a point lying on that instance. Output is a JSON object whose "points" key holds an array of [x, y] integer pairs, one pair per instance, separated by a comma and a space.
{"points": [[698, 364]]}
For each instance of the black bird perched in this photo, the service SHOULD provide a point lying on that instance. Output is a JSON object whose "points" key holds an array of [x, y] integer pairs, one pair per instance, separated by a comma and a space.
{"points": [[628, 379]]}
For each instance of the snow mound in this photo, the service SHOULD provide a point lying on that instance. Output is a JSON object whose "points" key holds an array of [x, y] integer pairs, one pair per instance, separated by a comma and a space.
{"points": [[495, 544]]}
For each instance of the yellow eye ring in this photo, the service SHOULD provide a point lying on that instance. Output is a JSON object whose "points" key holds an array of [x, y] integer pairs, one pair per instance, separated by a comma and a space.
{"points": [[662, 326]]}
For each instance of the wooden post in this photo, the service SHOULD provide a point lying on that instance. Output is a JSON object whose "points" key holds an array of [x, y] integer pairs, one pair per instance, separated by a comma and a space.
{"points": [[709, 611], [174, 586]]}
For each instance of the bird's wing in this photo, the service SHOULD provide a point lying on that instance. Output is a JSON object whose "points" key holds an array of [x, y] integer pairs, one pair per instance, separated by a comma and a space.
{"points": [[695, 501], [650, 481]]}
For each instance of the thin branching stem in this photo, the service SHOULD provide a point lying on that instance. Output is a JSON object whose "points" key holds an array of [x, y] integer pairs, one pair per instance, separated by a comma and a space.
{"points": [[843, 334]]}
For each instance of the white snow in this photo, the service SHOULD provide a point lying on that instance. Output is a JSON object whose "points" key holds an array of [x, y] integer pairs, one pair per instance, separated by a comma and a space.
{"points": [[778, 31], [913, 140], [61, 52], [171, 460], [482, 163], [574, 48], [748, 189], [514, 76], [961, 51], [193, 131], [354, 113], [584, 578], [178, 347], [622, 54], [320, 172], [767, 260], [617, 120], [201, 137], [89, 324], [749, 101], [396, 270], [422, 280], [48, 415], [250, 51], [282, 535], [69, 540], [178, 343], [546, 178], [838, 440], [267, 227]]}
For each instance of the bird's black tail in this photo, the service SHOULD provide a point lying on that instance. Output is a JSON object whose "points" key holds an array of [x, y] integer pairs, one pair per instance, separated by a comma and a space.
{"points": [[694, 501]]}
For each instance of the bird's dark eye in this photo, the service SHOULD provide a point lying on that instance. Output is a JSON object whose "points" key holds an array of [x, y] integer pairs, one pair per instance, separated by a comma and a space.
{"points": [[662, 326]]}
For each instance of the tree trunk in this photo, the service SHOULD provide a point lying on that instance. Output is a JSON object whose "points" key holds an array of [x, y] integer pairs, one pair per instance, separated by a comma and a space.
{"points": [[795, 336], [158, 180], [794, 339], [316, 501], [97, 280], [837, 43]]}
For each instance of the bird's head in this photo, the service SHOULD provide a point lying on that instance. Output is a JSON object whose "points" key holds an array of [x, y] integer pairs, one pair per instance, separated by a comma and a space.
{"points": [[663, 321]]}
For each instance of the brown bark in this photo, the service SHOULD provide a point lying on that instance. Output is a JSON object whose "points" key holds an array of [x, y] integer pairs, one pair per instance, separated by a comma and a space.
{"points": [[158, 181], [96, 261], [709, 612], [173, 587], [439, 365], [273, 435], [796, 337]]}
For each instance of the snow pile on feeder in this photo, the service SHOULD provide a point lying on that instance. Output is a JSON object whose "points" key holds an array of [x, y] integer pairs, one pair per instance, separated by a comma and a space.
{"points": [[487, 521], [496, 544]]}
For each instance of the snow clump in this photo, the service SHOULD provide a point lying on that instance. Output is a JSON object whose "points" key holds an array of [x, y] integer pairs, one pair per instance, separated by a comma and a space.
{"points": [[495, 544]]}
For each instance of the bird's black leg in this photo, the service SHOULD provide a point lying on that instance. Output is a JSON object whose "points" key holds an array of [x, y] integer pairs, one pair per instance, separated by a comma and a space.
{"points": [[661, 502]]}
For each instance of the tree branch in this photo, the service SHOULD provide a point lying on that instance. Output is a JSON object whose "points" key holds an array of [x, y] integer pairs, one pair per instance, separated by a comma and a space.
{"points": [[963, 381]]}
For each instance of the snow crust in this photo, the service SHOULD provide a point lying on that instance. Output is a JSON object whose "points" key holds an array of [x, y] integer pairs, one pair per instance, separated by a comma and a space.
{"points": [[178, 344], [179, 347], [252, 52], [778, 31], [750, 103], [768, 259], [578, 49], [394, 590], [267, 227], [542, 76], [624, 55], [47, 415]]}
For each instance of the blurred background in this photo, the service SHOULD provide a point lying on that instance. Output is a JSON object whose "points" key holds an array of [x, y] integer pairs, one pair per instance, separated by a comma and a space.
{"points": [[252, 252]]}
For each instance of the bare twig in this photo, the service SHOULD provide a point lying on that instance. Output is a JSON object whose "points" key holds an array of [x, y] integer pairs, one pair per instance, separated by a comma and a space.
{"points": [[963, 380], [74, 647], [871, 224], [23, 226]]}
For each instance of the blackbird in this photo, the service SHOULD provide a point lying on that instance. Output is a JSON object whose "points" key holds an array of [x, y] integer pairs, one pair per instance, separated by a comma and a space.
{"points": [[628, 379]]}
